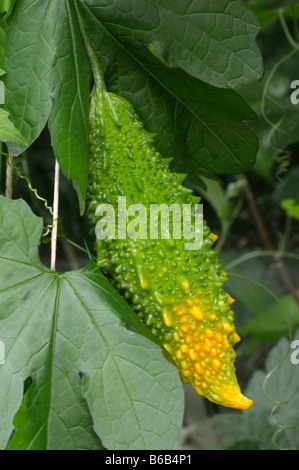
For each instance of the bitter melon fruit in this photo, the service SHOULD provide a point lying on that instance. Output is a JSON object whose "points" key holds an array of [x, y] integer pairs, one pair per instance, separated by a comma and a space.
{"points": [[178, 293]]}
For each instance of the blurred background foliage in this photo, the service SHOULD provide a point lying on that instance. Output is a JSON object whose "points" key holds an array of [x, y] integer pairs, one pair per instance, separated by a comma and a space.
{"points": [[257, 219]]}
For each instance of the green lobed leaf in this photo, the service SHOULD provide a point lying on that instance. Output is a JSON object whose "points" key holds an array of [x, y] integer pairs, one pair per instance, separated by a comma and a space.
{"points": [[212, 41], [272, 322], [291, 206], [92, 377], [268, 16], [257, 425], [251, 298], [196, 124], [48, 78], [216, 139], [8, 132]]}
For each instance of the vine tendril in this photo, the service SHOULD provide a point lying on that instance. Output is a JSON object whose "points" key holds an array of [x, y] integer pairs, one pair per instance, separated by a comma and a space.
{"points": [[49, 227], [283, 154], [277, 403]]}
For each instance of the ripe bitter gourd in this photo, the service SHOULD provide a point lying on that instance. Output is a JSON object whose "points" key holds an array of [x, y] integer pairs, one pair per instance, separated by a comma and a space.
{"points": [[178, 293]]}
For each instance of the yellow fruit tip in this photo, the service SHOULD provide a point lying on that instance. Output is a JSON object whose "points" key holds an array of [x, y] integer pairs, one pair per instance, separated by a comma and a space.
{"points": [[244, 403], [235, 399], [214, 237]]}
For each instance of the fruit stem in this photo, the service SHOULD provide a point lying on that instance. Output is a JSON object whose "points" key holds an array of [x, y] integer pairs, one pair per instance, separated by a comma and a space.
{"points": [[94, 63]]}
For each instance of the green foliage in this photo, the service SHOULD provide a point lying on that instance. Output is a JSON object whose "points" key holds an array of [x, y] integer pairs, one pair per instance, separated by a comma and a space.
{"points": [[274, 421], [273, 321], [201, 128], [89, 372], [268, 16], [226, 202], [6, 6], [216, 56], [287, 193], [291, 206], [45, 80], [79, 363], [289, 186], [8, 132]]}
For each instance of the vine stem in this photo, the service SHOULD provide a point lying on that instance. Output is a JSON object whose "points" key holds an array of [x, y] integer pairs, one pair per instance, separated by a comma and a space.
{"points": [[94, 63], [265, 237], [9, 177], [55, 217], [286, 30]]}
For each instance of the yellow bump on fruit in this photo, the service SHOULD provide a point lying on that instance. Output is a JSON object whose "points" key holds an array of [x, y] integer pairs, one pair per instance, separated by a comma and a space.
{"points": [[207, 345], [187, 373], [179, 355], [185, 329], [198, 368], [216, 364], [184, 319], [176, 337], [219, 338], [179, 311], [213, 352], [167, 319], [188, 339], [230, 299], [226, 344], [228, 329], [209, 333], [236, 337], [168, 348], [213, 317], [193, 355], [197, 313], [186, 287], [184, 348], [214, 237]]}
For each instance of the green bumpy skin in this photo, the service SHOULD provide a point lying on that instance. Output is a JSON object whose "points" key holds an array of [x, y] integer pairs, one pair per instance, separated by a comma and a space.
{"points": [[177, 293]]}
